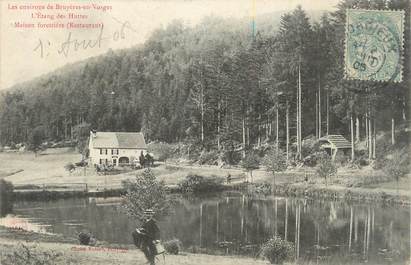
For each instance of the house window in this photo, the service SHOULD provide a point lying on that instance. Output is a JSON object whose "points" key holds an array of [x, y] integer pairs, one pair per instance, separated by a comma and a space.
{"points": [[114, 151], [103, 151], [101, 161]]}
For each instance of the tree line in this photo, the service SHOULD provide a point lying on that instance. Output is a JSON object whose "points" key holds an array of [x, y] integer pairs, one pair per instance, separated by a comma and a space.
{"points": [[219, 85]]}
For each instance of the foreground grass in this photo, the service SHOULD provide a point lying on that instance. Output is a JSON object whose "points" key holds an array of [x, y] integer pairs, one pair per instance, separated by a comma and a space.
{"points": [[76, 254], [67, 251]]}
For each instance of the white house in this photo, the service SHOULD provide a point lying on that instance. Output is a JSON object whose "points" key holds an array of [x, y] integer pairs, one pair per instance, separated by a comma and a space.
{"points": [[115, 147]]}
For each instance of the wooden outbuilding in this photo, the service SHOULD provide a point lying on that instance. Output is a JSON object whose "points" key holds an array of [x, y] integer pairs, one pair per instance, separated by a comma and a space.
{"points": [[334, 143]]}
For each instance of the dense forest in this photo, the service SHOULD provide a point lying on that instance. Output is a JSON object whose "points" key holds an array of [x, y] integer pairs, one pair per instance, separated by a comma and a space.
{"points": [[219, 84]]}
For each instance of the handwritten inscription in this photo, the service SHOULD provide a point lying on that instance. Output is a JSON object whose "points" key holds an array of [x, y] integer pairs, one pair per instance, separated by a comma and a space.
{"points": [[45, 47]]}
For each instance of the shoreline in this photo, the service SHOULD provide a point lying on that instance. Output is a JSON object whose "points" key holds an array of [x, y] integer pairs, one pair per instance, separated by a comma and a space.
{"points": [[331, 192]]}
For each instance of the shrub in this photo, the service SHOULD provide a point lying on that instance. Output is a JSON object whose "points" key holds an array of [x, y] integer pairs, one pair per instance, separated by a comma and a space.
{"points": [[379, 163], [361, 158], [231, 157], [172, 246], [198, 184], [190, 150], [341, 159], [70, 167], [162, 151], [313, 159], [208, 158], [6, 197], [250, 162], [277, 250], [275, 161], [326, 168], [84, 238], [24, 255], [145, 192], [397, 165], [36, 138], [310, 145], [81, 133]]}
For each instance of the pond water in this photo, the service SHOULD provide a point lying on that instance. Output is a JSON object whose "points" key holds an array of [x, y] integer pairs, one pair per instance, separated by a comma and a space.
{"points": [[236, 224]]}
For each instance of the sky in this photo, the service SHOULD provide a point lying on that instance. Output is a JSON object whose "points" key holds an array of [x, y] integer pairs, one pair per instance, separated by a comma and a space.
{"points": [[27, 52]]}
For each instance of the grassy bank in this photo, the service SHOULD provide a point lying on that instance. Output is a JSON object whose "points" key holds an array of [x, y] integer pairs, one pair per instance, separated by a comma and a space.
{"points": [[67, 251], [341, 193], [31, 175]]}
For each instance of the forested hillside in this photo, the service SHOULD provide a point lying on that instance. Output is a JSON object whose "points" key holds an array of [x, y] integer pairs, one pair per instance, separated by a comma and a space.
{"points": [[218, 84]]}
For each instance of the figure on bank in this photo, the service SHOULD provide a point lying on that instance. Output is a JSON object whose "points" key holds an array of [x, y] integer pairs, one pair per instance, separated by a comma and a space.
{"points": [[146, 237]]}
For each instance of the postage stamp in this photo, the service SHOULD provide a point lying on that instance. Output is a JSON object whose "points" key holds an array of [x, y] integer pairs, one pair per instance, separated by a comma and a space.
{"points": [[374, 45]]}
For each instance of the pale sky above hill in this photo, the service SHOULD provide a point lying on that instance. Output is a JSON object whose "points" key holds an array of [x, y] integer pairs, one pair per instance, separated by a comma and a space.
{"points": [[26, 53]]}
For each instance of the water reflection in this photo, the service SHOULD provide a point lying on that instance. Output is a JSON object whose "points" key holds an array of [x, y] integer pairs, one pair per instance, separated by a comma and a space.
{"points": [[26, 224], [238, 224]]}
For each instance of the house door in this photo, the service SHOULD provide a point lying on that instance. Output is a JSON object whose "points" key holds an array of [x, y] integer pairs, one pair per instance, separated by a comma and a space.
{"points": [[115, 162], [123, 160]]}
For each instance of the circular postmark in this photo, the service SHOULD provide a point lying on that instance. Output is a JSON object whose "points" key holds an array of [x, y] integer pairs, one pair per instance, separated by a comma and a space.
{"points": [[373, 50]]}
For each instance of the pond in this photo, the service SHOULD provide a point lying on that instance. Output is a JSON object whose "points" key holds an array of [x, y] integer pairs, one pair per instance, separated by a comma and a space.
{"points": [[236, 224]]}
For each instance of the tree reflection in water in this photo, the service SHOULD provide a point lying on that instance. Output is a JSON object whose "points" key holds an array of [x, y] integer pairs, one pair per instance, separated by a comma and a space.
{"points": [[239, 224]]}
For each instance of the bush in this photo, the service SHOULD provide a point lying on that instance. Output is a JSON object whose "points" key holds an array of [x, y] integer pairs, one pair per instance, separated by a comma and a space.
{"points": [[162, 151], [36, 139], [397, 165], [361, 158], [172, 246], [6, 197], [277, 250], [198, 184], [84, 238], [310, 145], [208, 158], [326, 168], [70, 167], [341, 159], [24, 255], [313, 159], [250, 162], [145, 192], [275, 161], [231, 157]]}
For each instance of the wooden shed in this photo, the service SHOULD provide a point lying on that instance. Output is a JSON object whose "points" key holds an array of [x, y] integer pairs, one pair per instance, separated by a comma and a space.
{"points": [[334, 143]]}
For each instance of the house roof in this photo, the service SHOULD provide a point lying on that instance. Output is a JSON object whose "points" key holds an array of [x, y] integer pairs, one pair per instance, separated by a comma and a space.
{"points": [[335, 141], [132, 140]]}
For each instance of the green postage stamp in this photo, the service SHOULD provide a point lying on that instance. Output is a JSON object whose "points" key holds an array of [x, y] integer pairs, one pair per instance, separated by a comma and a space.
{"points": [[374, 45]]}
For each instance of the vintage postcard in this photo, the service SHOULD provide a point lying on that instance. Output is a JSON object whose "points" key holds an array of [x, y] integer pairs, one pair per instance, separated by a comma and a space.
{"points": [[205, 132]]}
